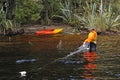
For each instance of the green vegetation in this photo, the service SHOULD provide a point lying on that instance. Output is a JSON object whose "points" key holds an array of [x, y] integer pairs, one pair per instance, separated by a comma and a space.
{"points": [[27, 12], [5, 23], [100, 14]]}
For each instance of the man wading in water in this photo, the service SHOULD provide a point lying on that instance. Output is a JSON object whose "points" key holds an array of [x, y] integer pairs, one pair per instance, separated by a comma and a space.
{"points": [[92, 37], [88, 45]]}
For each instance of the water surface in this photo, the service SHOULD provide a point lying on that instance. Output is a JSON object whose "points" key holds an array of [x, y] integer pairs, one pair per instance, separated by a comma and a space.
{"points": [[38, 55]]}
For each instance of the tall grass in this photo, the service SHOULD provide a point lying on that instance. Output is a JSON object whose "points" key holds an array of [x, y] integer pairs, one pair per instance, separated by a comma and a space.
{"points": [[89, 16], [2, 19], [102, 19], [109, 19], [5, 23], [68, 13]]}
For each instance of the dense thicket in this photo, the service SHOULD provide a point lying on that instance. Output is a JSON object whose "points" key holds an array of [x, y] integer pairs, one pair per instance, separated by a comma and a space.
{"points": [[100, 14]]}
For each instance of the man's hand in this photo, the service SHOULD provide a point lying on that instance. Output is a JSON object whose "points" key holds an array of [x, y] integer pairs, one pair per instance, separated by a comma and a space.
{"points": [[84, 44]]}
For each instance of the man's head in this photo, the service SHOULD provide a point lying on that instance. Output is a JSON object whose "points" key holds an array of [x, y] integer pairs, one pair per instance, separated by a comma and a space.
{"points": [[91, 29]]}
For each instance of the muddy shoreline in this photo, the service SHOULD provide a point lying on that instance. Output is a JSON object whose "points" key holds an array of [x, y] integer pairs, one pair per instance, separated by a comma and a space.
{"points": [[66, 30], [31, 29]]}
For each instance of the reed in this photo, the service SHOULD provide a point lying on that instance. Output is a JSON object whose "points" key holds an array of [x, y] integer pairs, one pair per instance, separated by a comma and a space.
{"points": [[4, 22], [102, 19]]}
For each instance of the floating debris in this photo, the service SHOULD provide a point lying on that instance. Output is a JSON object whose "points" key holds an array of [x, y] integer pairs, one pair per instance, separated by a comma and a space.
{"points": [[26, 60], [23, 73], [70, 61], [117, 75]]}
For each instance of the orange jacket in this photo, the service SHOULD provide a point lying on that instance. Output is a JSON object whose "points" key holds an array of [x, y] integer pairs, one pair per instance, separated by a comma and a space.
{"points": [[92, 37]]}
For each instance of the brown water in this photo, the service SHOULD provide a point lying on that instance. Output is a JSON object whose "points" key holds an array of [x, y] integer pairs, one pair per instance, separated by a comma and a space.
{"points": [[45, 50]]}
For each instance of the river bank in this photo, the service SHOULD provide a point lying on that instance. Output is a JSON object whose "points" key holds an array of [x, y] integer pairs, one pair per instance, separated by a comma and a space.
{"points": [[67, 29], [31, 29]]}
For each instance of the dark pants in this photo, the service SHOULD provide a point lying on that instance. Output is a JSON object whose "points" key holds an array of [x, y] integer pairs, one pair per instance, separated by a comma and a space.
{"points": [[92, 47]]}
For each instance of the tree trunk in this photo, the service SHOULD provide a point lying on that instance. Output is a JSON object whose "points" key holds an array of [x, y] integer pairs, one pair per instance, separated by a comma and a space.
{"points": [[8, 7], [45, 12]]}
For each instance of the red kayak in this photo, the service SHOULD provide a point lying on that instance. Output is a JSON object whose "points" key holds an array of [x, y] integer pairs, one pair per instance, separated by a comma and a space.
{"points": [[48, 31]]}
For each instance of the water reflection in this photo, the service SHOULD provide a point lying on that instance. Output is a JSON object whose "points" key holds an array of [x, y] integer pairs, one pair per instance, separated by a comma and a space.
{"points": [[90, 56], [89, 66]]}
